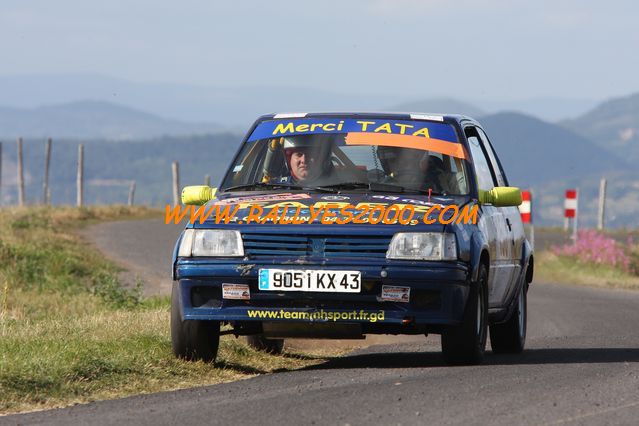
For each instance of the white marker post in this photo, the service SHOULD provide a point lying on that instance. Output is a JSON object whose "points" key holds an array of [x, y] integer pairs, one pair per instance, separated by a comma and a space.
{"points": [[570, 210], [575, 221], [525, 209]]}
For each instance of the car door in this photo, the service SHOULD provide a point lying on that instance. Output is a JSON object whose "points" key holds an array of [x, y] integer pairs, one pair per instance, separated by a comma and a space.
{"points": [[492, 223], [511, 215]]}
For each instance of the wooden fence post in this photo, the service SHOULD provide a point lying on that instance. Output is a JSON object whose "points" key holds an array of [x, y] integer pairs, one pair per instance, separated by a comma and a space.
{"points": [[175, 167], [20, 175], [131, 192], [79, 181], [601, 222], [45, 182]]}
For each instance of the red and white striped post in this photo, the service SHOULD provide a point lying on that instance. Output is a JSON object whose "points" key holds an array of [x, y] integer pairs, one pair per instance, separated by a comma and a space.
{"points": [[525, 209], [571, 210]]}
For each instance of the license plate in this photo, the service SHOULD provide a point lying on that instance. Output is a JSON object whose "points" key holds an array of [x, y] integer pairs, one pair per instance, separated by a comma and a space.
{"points": [[310, 280]]}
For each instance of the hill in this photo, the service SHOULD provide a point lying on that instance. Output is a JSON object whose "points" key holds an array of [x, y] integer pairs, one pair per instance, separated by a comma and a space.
{"points": [[622, 199], [549, 159], [232, 107], [92, 119], [613, 125], [536, 155], [551, 109], [110, 166], [441, 105], [534, 151]]}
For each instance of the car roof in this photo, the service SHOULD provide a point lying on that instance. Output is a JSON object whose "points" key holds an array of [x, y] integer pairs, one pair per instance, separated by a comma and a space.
{"points": [[372, 114]]}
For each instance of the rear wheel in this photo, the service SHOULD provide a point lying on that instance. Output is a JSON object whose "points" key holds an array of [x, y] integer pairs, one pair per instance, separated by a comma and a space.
{"points": [[510, 337], [192, 339], [465, 344], [261, 343]]}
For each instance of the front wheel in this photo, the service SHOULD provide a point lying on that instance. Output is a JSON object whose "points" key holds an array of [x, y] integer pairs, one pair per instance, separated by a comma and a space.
{"points": [[510, 337], [192, 340], [465, 344]]}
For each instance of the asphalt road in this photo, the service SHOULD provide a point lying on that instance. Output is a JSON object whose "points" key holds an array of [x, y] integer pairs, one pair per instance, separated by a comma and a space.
{"points": [[581, 366], [143, 247]]}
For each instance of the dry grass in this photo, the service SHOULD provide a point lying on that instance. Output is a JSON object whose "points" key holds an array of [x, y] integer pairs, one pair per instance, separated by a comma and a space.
{"points": [[556, 269], [110, 354], [69, 333]]}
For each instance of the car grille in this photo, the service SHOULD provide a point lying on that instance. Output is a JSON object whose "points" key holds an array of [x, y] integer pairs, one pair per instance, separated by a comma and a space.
{"points": [[325, 246]]}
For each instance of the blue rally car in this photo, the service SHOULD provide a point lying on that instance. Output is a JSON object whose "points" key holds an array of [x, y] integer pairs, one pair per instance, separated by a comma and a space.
{"points": [[301, 242]]}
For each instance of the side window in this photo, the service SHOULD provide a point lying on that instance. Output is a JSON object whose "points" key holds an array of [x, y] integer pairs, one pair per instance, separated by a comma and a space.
{"points": [[485, 179], [499, 174]]}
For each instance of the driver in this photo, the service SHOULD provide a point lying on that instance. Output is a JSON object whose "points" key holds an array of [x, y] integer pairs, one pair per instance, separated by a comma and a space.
{"points": [[307, 158]]}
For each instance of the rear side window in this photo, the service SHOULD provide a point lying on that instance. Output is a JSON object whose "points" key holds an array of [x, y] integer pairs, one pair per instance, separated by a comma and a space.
{"points": [[499, 173], [485, 180]]}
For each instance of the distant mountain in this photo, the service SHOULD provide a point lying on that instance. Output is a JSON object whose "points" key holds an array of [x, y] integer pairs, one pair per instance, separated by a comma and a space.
{"points": [[236, 107], [546, 108], [622, 199], [549, 159], [92, 119], [443, 105], [534, 151], [232, 107], [613, 125]]}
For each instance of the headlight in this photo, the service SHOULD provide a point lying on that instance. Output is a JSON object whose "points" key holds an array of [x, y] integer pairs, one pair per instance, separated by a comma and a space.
{"points": [[211, 242], [422, 246]]}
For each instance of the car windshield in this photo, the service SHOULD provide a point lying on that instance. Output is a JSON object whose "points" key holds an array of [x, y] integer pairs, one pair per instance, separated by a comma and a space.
{"points": [[350, 154]]}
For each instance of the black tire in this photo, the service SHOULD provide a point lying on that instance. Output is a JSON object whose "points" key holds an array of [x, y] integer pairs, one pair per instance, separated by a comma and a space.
{"points": [[261, 343], [465, 344], [192, 340], [510, 337]]}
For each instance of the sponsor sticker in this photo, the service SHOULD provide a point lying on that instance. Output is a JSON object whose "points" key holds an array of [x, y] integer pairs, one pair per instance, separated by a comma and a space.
{"points": [[236, 291], [392, 293], [264, 198], [335, 198], [427, 117], [300, 126], [402, 200]]}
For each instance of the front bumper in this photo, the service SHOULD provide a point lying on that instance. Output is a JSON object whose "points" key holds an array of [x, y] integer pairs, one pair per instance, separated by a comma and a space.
{"points": [[438, 294]]}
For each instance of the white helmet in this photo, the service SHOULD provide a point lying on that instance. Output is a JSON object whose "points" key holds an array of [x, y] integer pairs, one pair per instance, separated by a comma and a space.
{"points": [[301, 141]]}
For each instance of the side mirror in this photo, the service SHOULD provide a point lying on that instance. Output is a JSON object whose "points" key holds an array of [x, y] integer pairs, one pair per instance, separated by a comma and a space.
{"points": [[501, 196], [197, 195]]}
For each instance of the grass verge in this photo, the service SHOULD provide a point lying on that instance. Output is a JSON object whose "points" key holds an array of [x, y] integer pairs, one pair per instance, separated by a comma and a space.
{"points": [[69, 333], [559, 269]]}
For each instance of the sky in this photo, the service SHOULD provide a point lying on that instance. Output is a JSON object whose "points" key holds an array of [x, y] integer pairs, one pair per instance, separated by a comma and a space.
{"points": [[493, 49]]}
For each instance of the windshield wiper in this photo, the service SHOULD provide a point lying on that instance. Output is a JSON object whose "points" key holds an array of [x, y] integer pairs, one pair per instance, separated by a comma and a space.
{"points": [[372, 186], [381, 187], [268, 185], [334, 188]]}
